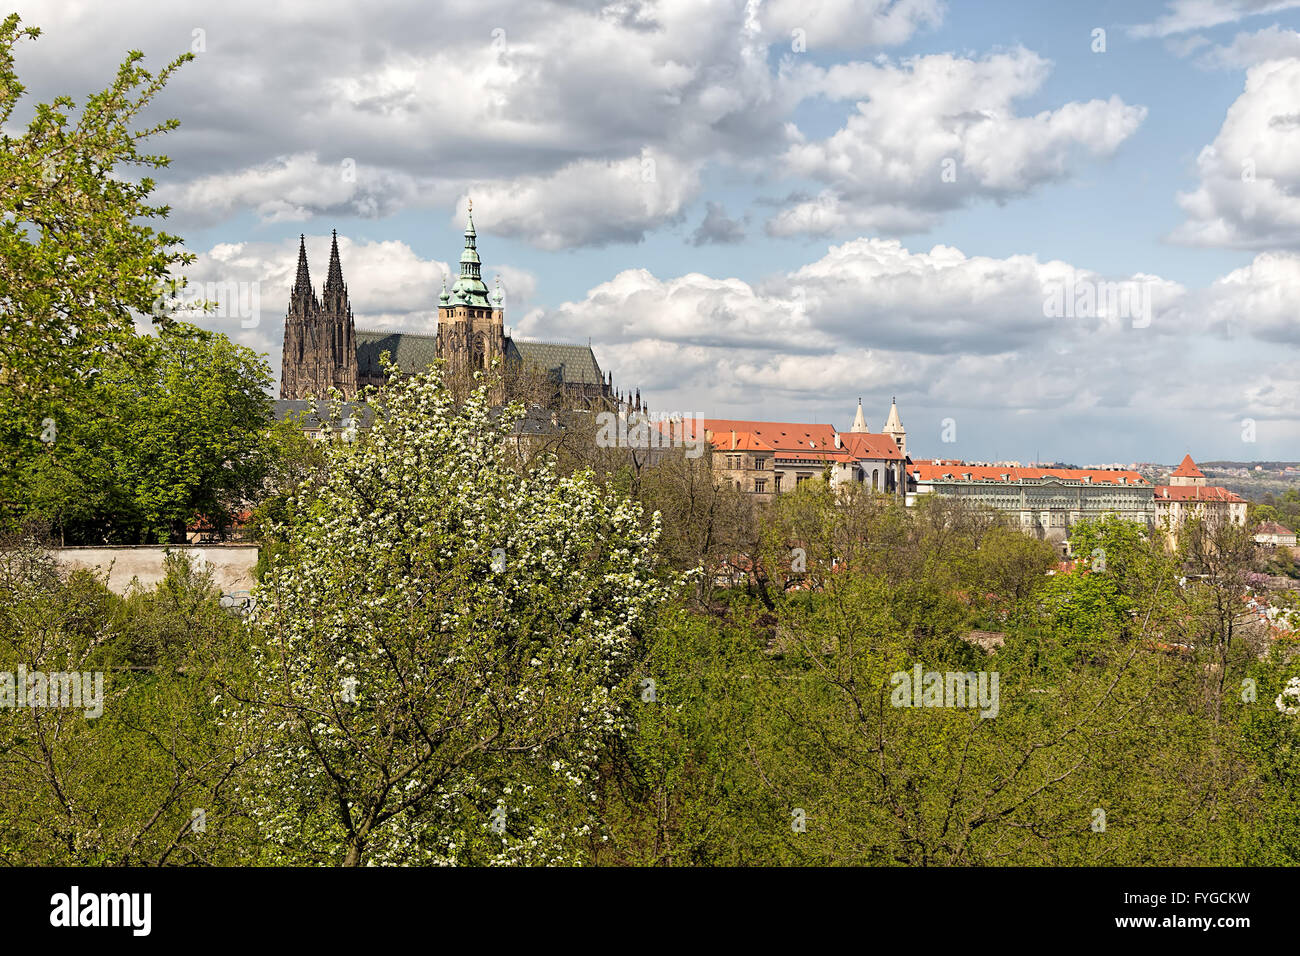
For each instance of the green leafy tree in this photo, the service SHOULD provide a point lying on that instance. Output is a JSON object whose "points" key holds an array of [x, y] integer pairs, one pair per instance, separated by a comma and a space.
{"points": [[180, 431], [140, 773], [79, 260]]}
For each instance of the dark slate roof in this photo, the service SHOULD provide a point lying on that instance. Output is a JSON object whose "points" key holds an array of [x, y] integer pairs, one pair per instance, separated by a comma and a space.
{"points": [[409, 351], [312, 414], [413, 352], [571, 364]]}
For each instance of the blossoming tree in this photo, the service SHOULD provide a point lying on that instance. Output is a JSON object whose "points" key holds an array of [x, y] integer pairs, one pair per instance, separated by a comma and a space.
{"points": [[445, 646]]}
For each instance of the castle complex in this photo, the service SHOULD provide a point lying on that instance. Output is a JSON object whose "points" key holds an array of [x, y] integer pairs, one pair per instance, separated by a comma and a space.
{"points": [[767, 458], [324, 350]]}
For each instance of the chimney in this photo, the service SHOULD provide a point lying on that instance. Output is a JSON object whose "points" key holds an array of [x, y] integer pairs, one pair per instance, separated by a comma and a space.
{"points": [[733, 439]]}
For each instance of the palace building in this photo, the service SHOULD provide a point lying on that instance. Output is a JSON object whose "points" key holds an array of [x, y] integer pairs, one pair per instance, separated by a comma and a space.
{"points": [[1044, 502], [1190, 495], [767, 458], [324, 350]]}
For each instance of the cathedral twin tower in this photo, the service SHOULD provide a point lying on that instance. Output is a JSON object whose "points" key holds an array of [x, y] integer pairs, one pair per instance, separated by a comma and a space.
{"points": [[320, 340], [323, 349]]}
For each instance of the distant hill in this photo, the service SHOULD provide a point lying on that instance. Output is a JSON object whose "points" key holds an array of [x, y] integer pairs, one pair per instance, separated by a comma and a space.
{"points": [[1271, 465]]}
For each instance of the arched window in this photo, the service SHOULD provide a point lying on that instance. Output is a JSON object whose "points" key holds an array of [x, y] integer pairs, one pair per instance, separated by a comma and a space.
{"points": [[480, 352]]}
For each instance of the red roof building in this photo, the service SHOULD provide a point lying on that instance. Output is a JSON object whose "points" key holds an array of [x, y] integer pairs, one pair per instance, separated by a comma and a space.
{"points": [[1189, 495]]}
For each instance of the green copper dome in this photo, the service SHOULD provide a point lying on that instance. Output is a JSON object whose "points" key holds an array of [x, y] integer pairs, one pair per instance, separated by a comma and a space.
{"points": [[469, 288]]}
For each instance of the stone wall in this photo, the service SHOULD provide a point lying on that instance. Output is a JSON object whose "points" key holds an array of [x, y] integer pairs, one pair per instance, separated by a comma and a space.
{"points": [[231, 564]]}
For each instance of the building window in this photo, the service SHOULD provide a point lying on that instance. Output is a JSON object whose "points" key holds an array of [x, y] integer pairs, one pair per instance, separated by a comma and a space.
{"points": [[776, 483], [760, 486]]}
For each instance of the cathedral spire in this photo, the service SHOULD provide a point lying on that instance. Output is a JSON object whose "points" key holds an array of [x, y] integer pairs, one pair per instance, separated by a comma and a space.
{"points": [[469, 289], [302, 285], [334, 282]]}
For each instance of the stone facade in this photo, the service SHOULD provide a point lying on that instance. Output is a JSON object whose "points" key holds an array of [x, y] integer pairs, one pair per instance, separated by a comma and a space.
{"points": [[320, 343], [1045, 503]]}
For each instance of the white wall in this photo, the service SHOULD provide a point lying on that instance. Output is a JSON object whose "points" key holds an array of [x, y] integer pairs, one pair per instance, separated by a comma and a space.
{"points": [[231, 565]]}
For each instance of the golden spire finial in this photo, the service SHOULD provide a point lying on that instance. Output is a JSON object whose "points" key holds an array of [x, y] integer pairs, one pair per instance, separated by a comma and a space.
{"points": [[471, 205]]}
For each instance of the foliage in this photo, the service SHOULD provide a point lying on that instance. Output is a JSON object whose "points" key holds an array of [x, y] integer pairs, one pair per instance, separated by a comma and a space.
{"points": [[121, 787], [444, 636], [79, 260], [179, 433]]}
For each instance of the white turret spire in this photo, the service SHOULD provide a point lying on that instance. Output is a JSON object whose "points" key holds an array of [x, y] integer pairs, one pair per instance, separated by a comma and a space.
{"points": [[894, 427], [859, 420]]}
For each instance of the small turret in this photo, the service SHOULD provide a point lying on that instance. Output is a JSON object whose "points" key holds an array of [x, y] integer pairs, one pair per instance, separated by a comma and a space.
{"points": [[894, 427], [859, 420]]}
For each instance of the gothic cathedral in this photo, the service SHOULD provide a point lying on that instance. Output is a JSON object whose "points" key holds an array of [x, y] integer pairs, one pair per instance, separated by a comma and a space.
{"points": [[323, 349]]}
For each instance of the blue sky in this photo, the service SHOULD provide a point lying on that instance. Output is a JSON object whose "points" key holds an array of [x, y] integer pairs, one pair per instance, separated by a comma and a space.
{"points": [[796, 246]]}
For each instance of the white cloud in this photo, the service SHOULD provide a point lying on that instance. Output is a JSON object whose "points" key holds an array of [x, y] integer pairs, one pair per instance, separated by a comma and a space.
{"points": [[1182, 16], [936, 133], [1259, 299], [848, 24], [1248, 49], [717, 227], [956, 335], [296, 188], [1249, 191], [519, 96], [589, 203], [953, 335]]}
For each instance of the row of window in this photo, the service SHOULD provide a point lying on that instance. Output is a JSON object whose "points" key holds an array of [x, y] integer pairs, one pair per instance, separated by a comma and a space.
{"points": [[737, 463], [760, 484]]}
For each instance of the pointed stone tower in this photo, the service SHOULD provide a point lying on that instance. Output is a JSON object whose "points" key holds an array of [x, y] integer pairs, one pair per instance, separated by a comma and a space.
{"points": [[859, 420], [894, 428], [338, 327], [471, 323], [320, 348], [303, 307]]}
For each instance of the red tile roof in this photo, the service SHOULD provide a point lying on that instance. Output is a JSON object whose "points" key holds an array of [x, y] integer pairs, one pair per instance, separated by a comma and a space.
{"points": [[926, 471], [781, 436], [786, 440], [1188, 469], [745, 441], [1195, 493], [869, 445], [1273, 527]]}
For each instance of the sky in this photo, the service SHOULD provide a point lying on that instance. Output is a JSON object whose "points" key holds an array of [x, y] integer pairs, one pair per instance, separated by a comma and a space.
{"points": [[1051, 230]]}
